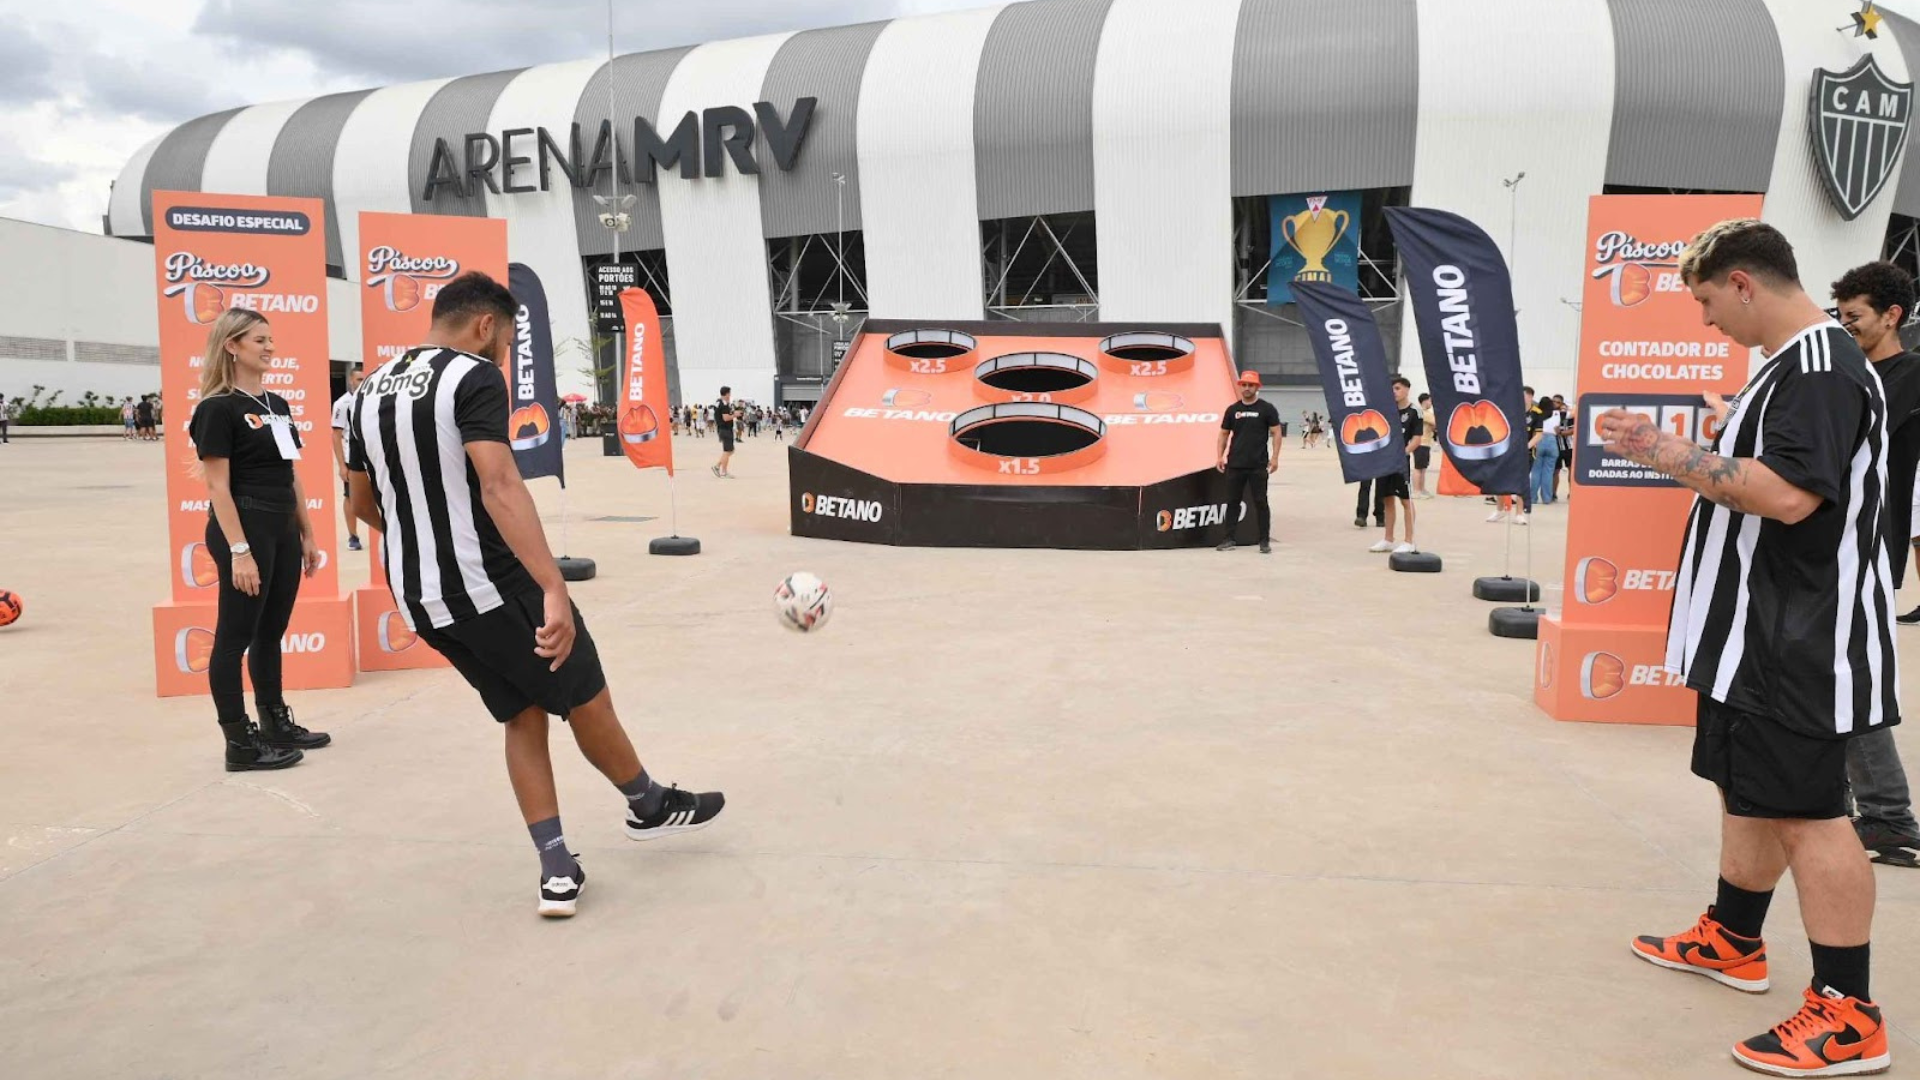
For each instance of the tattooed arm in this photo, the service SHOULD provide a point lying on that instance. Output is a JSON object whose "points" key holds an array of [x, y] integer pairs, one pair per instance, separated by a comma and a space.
{"points": [[1742, 485]]}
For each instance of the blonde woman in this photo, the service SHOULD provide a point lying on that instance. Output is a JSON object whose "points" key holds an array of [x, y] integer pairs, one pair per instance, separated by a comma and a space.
{"points": [[258, 533]]}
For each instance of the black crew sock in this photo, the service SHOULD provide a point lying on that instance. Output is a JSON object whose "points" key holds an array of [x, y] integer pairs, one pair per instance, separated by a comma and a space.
{"points": [[1743, 913], [643, 794], [1843, 967], [555, 859]]}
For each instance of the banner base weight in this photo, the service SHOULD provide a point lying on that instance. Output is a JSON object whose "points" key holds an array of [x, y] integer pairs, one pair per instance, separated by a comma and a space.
{"points": [[1414, 562], [1515, 622], [673, 545], [1506, 589], [572, 569]]}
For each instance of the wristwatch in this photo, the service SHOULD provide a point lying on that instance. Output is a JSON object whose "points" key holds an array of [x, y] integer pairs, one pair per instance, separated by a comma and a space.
{"points": [[241, 549]]}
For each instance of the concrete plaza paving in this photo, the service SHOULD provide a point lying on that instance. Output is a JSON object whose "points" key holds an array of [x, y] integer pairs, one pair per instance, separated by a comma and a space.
{"points": [[1012, 814]]}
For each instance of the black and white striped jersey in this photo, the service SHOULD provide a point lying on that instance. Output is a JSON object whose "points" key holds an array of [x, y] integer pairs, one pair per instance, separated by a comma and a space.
{"points": [[411, 421], [1795, 622]]}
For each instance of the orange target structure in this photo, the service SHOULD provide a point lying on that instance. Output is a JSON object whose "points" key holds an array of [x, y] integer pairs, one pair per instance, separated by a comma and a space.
{"points": [[999, 434], [1642, 348]]}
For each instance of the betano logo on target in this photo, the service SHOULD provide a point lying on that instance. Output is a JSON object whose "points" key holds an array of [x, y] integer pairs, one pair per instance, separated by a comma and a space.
{"points": [[1597, 580], [1181, 518], [841, 507]]}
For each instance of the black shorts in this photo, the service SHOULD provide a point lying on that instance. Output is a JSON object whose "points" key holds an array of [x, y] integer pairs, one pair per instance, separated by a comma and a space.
{"points": [[1766, 770], [726, 440], [1393, 486], [1423, 457], [494, 653]]}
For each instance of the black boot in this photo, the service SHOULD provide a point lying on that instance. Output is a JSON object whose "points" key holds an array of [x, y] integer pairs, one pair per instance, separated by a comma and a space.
{"points": [[247, 751], [278, 729]]}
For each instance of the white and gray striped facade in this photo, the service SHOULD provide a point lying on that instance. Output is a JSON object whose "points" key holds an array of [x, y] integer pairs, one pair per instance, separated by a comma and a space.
{"points": [[1146, 118]]}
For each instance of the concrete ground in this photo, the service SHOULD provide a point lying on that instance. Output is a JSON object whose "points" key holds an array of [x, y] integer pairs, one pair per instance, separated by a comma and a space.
{"points": [[1013, 813]]}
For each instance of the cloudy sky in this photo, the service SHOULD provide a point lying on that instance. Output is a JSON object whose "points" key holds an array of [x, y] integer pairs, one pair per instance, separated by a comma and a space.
{"points": [[84, 83]]}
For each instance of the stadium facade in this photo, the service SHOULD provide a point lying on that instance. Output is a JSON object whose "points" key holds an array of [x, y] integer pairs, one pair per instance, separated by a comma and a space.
{"points": [[1073, 159]]}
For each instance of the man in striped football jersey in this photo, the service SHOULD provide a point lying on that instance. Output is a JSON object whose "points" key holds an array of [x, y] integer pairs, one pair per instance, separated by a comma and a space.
{"points": [[1783, 623], [429, 465]]}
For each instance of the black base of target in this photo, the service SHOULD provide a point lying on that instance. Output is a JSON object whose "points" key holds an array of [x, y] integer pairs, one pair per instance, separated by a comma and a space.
{"points": [[1414, 562], [572, 569], [1514, 622], [1505, 589], [673, 545]]}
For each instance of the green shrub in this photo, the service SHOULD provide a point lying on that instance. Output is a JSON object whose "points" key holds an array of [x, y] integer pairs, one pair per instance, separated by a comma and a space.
{"points": [[66, 415]]}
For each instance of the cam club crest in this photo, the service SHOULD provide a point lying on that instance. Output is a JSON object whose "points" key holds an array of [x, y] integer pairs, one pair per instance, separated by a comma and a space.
{"points": [[1859, 120]]}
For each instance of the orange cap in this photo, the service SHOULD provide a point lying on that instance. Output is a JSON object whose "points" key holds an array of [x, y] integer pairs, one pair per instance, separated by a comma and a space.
{"points": [[1250, 377]]}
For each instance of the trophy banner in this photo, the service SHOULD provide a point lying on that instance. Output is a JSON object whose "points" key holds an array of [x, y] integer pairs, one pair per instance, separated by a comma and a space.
{"points": [[1314, 238], [1353, 370]]}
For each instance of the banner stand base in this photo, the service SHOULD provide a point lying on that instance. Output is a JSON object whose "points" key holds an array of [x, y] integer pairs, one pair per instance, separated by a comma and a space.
{"points": [[1506, 589], [1414, 562], [572, 569], [1515, 622], [673, 545]]}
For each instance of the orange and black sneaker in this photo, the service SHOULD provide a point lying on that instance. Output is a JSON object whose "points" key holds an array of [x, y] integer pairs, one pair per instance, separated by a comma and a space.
{"points": [[1831, 1035], [1712, 950]]}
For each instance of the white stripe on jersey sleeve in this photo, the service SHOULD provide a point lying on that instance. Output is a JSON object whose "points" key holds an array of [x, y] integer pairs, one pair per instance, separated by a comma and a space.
{"points": [[459, 494], [1735, 650], [429, 550], [367, 414]]}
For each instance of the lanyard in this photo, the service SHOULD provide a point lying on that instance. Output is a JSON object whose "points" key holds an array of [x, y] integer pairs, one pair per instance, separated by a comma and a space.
{"points": [[267, 405]]}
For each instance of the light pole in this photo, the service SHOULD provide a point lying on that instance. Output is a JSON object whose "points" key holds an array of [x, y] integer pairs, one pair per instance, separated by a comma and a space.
{"points": [[840, 268], [1513, 219]]}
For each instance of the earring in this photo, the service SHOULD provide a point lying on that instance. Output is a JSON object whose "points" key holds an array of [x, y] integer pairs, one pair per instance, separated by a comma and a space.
{"points": [[1746, 298]]}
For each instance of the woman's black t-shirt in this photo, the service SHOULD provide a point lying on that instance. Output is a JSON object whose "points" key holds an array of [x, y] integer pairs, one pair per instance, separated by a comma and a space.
{"points": [[235, 426]]}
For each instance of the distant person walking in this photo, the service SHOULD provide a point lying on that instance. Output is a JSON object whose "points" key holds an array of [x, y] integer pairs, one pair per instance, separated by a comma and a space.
{"points": [[259, 535], [1423, 457], [4, 420], [127, 420], [1545, 443], [1393, 492], [342, 416], [724, 417]]}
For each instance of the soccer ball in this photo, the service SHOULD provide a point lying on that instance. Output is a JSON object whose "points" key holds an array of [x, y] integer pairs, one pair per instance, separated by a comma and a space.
{"points": [[803, 602], [11, 607]]}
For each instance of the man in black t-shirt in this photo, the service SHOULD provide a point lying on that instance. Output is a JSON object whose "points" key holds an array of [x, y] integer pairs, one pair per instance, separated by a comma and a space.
{"points": [[1249, 453], [1873, 301], [724, 415], [1394, 493]]}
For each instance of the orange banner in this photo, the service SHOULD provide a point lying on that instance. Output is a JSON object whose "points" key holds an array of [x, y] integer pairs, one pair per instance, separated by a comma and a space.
{"points": [[404, 259], [645, 431], [1642, 348], [211, 253]]}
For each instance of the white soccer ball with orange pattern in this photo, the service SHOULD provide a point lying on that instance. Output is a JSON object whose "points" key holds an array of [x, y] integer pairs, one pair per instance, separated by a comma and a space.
{"points": [[803, 602]]}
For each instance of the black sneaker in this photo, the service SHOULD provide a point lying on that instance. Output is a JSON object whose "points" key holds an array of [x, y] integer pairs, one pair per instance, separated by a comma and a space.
{"points": [[1266, 547], [1887, 845], [248, 752], [1225, 545], [1360, 522], [353, 543], [278, 729], [680, 812], [560, 895], [1910, 618]]}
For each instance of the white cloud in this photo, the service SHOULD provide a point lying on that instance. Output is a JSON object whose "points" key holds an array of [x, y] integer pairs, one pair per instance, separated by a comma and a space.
{"points": [[85, 83]]}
